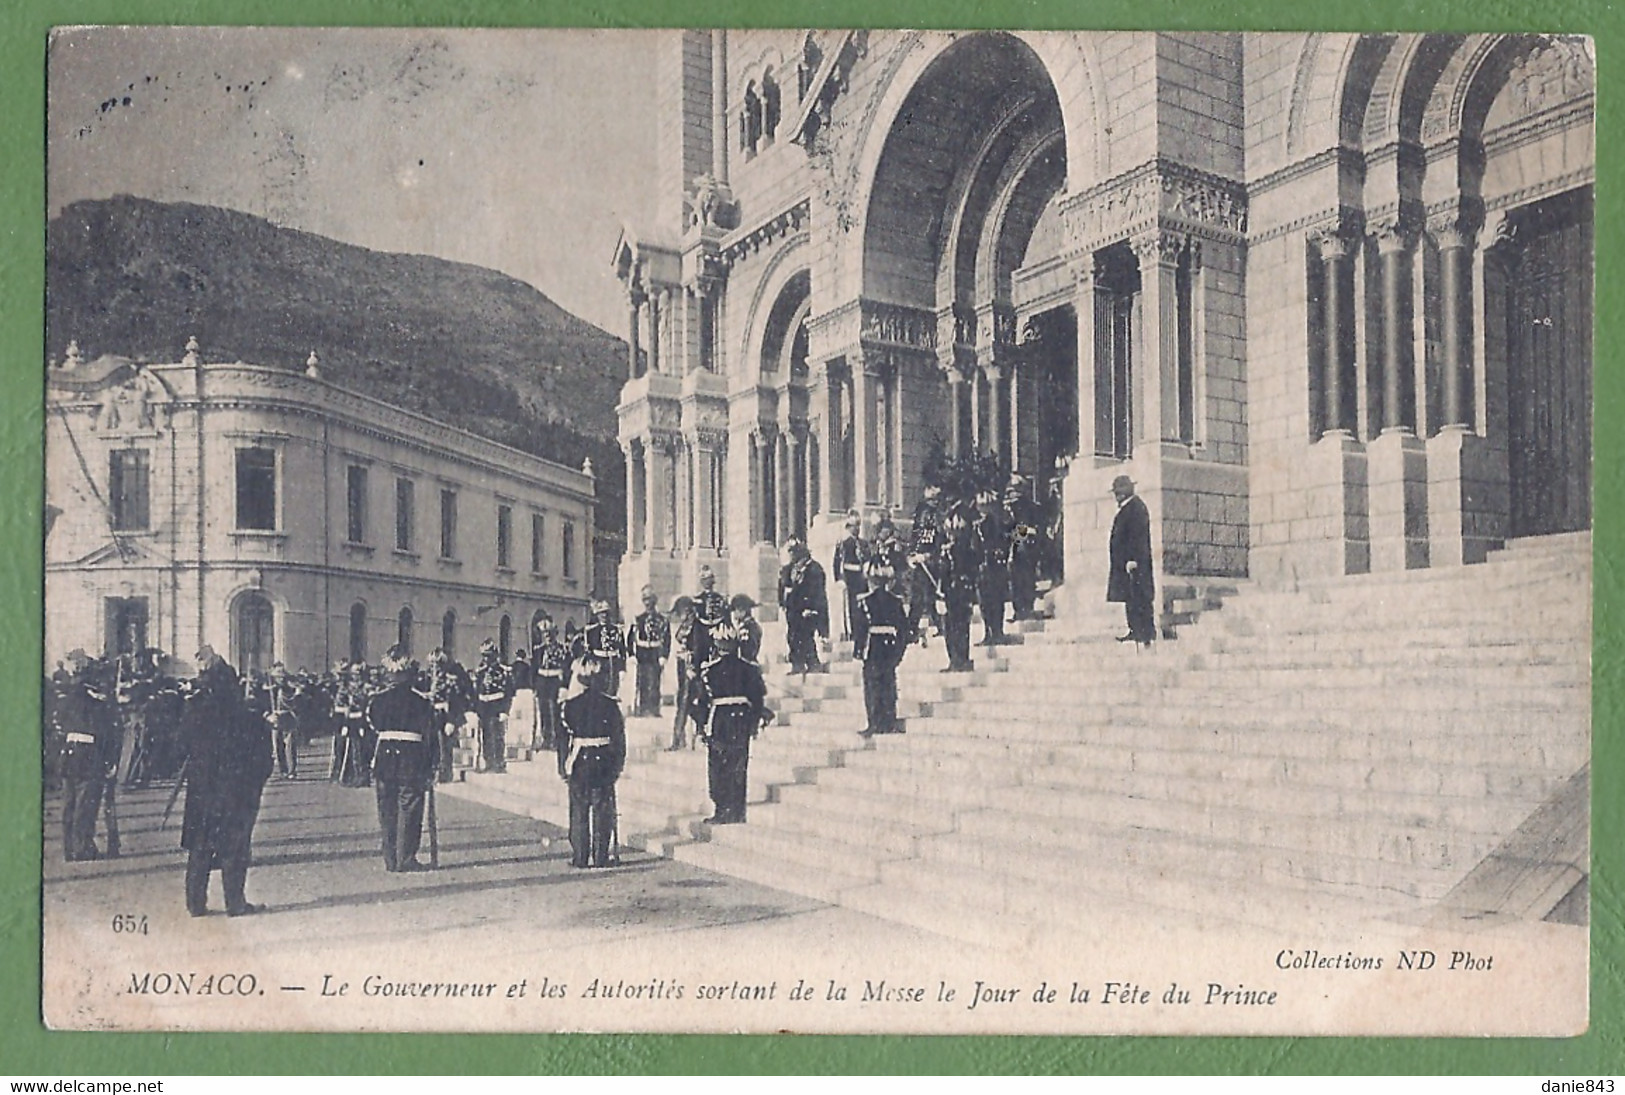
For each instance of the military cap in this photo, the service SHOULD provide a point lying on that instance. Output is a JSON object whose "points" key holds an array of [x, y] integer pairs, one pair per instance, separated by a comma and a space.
{"points": [[741, 600]]}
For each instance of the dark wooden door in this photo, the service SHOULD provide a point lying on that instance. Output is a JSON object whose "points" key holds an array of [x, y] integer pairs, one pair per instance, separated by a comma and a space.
{"points": [[1549, 368]]}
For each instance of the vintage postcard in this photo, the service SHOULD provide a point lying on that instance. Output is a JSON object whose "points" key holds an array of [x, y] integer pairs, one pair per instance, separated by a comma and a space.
{"points": [[818, 530]]}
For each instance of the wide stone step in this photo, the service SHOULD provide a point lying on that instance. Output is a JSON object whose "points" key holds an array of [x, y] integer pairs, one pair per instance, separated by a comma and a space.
{"points": [[819, 822], [759, 856], [900, 811]]}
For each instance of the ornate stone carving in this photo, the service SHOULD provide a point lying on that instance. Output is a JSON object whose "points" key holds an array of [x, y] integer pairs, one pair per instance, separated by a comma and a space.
{"points": [[1156, 194], [1162, 247], [781, 224], [1555, 72], [899, 326], [139, 405], [710, 204]]}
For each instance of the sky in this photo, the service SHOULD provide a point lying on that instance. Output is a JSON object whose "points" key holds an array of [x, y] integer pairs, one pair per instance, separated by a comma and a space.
{"points": [[521, 150]]}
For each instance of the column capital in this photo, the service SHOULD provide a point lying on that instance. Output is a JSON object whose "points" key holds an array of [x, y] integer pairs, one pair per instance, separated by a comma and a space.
{"points": [[1452, 231], [1332, 242], [1393, 234], [1161, 246]]}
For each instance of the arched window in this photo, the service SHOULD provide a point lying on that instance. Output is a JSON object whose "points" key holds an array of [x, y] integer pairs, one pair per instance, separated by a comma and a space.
{"points": [[505, 638], [403, 634], [448, 633], [256, 633], [750, 121], [770, 108], [358, 632]]}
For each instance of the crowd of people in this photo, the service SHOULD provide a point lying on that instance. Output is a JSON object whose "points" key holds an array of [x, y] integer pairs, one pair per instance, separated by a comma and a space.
{"points": [[398, 726]]}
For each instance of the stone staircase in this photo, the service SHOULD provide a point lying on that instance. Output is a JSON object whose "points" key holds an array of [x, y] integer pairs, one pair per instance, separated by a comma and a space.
{"points": [[1345, 752]]}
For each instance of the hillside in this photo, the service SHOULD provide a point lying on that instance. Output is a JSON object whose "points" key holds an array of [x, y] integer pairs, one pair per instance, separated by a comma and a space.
{"points": [[467, 345]]}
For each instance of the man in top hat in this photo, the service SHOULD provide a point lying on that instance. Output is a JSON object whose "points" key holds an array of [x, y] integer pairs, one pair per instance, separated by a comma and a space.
{"points": [[851, 553], [879, 640], [710, 611], [404, 760], [592, 752], [602, 641], [88, 739], [806, 607], [649, 639], [730, 706], [690, 656], [1131, 582], [491, 697], [227, 764], [990, 544], [747, 630], [552, 663]]}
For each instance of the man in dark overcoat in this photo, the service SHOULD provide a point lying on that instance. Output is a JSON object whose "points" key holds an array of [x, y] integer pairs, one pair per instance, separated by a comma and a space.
{"points": [[851, 553], [404, 761], [227, 764], [592, 752], [806, 607], [1131, 582], [990, 543]]}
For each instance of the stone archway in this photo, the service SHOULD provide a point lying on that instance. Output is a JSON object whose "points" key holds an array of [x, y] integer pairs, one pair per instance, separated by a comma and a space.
{"points": [[976, 153]]}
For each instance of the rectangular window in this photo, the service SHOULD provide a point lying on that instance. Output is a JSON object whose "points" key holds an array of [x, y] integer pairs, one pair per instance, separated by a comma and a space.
{"points": [[448, 524], [567, 564], [357, 496], [127, 487], [505, 537], [405, 514], [538, 542], [256, 489]]}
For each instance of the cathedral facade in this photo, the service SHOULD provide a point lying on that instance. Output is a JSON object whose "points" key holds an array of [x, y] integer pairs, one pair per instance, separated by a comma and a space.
{"points": [[1326, 298]]}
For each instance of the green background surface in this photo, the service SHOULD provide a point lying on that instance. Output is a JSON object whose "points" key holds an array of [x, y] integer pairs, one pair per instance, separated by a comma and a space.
{"points": [[26, 1048]]}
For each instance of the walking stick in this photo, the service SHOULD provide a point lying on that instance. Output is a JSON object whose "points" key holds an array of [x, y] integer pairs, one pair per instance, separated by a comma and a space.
{"points": [[434, 832], [180, 781], [110, 810]]}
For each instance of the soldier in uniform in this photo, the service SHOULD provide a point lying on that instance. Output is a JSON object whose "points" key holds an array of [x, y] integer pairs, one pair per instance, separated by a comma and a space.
{"points": [[601, 641], [851, 553], [448, 690], [404, 762], [552, 663], [710, 613], [730, 707], [956, 563], [879, 640], [491, 704], [687, 637], [227, 764], [889, 551], [352, 762], [522, 708], [282, 699], [1026, 523], [649, 639], [990, 544], [747, 630], [592, 752], [924, 549], [89, 750], [806, 607]]}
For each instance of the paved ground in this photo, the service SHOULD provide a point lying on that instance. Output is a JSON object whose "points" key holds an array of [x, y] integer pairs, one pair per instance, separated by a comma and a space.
{"points": [[505, 905]]}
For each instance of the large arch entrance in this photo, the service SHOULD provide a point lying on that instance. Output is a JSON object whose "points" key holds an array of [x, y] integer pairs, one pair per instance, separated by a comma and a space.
{"points": [[969, 332]]}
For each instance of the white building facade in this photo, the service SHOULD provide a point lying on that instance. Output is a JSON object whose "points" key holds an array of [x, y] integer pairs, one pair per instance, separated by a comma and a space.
{"points": [[1325, 297], [279, 517]]}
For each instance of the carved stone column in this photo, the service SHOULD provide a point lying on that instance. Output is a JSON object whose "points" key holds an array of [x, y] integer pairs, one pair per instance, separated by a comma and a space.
{"points": [[865, 429], [1455, 307], [1337, 321], [1086, 308], [796, 469], [658, 493], [1393, 247], [1157, 385], [654, 329], [635, 299], [1466, 483]]}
